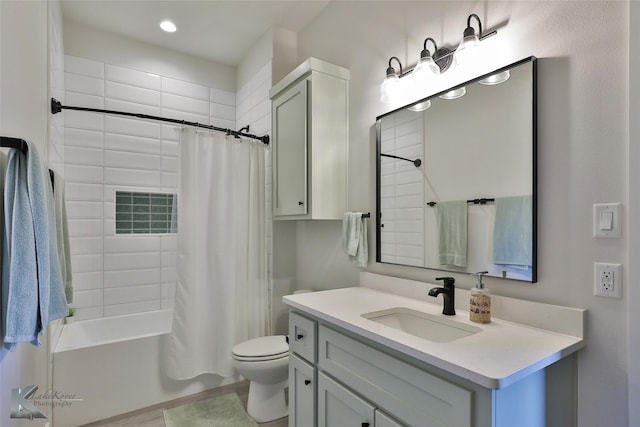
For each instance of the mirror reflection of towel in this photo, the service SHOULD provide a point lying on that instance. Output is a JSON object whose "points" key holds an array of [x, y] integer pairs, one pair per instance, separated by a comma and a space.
{"points": [[513, 232], [452, 233]]}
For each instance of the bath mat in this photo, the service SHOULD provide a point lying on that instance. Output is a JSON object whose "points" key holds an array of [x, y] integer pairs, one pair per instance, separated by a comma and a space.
{"points": [[221, 411]]}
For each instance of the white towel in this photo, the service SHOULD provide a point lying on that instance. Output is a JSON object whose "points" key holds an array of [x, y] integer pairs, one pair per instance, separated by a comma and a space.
{"points": [[62, 229], [354, 238]]}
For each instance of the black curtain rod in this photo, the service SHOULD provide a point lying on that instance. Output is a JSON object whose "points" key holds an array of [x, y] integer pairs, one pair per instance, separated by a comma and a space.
{"points": [[57, 107], [472, 201], [416, 162]]}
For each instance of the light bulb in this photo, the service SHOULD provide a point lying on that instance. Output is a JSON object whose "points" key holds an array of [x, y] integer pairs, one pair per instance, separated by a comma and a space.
{"points": [[455, 93], [391, 89], [424, 72], [495, 79], [168, 26], [420, 106]]}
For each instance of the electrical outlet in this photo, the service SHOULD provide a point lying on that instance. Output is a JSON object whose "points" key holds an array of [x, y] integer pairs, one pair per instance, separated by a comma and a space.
{"points": [[608, 280]]}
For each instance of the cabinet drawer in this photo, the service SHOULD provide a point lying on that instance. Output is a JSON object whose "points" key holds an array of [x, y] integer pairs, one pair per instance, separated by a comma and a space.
{"points": [[411, 395], [302, 336], [340, 407], [302, 393]]}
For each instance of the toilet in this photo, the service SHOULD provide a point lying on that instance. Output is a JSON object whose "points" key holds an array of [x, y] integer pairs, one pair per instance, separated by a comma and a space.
{"points": [[265, 363]]}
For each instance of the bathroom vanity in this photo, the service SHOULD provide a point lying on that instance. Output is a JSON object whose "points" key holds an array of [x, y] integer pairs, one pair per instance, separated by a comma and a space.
{"points": [[362, 357]]}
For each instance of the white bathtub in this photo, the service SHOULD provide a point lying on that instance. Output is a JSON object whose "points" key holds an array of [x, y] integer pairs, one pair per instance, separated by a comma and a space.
{"points": [[108, 330]]}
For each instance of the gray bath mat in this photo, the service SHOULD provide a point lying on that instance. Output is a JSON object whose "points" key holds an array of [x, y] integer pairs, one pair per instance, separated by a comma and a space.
{"points": [[221, 411]]}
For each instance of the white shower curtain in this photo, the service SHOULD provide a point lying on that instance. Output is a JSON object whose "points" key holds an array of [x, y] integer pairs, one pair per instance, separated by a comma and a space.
{"points": [[222, 294]]}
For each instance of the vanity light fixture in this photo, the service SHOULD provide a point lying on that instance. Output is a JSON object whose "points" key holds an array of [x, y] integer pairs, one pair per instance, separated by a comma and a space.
{"points": [[420, 106], [391, 88], [168, 26], [426, 69], [430, 66], [496, 79], [455, 93]]}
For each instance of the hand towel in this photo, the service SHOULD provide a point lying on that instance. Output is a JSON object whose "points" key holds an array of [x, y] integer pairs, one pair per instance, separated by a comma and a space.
{"points": [[62, 235], [452, 233], [32, 288], [354, 238], [513, 232]]}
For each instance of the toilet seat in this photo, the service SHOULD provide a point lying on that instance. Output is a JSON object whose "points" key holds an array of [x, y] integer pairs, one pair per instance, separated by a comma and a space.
{"points": [[261, 349]]}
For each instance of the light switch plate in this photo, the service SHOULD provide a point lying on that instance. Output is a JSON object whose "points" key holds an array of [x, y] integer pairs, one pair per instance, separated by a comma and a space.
{"points": [[611, 230]]}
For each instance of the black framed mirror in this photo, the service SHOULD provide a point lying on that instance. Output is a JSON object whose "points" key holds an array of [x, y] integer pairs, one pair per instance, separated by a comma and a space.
{"points": [[456, 182]]}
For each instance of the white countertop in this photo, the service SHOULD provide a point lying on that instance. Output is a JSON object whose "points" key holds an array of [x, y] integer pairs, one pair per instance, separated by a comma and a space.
{"points": [[501, 354]]}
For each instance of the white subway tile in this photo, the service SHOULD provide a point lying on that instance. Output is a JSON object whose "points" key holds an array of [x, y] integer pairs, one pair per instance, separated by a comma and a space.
{"points": [[83, 156], [169, 275], [85, 227], [133, 94], [245, 118], [222, 97], [83, 100], [83, 174], [90, 298], [125, 160], [168, 291], [170, 133], [84, 120], [85, 246], [114, 176], [118, 278], [260, 94], [130, 261], [170, 148], [260, 110], [224, 124], [130, 294], [88, 313], [243, 95], [131, 107], [169, 259], [136, 307], [128, 244], [169, 164], [133, 144], [185, 104], [262, 126], [83, 138], [243, 109], [182, 88], [84, 210], [109, 227], [167, 303], [82, 84], [134, 127], [222, 111], [169, 243], [82, 192], [87, 281], [132, 77], [109, 210], [169, 181], [82, 66], [86, 263]]}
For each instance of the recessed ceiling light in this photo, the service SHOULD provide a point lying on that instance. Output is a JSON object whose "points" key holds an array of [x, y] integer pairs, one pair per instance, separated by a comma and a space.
{"points": [[168, 26]]}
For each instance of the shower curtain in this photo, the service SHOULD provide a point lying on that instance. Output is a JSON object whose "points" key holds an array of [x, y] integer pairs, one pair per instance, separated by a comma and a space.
{"points": [[222, 293]]}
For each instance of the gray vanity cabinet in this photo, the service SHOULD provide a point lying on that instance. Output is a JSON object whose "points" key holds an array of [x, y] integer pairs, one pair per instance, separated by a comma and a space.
{"points": [[310, 108], [340, 379]]}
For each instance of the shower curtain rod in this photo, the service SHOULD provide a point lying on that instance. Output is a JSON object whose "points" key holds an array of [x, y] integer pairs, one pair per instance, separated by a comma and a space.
{"points": [[57, 107]]}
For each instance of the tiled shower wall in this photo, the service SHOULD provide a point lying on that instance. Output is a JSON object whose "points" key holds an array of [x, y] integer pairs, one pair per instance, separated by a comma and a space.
{"points": [[402, 189], [122, 274]]}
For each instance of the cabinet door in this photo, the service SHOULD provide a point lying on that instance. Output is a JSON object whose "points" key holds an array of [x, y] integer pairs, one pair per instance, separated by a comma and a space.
{"points": [[338, 406], [383, 420], [290, 151], [302, 393]]}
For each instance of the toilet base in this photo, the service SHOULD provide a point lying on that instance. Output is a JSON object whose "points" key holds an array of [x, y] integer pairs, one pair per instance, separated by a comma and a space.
{"points": [[267, 402]]}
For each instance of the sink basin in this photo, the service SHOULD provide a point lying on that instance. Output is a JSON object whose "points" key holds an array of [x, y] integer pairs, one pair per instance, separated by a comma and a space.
{"points": [[422, 325]]}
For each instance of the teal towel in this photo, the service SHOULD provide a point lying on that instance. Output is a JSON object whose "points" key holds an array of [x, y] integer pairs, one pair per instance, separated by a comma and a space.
{"points": [[513, 232], [452, 233], [354, 238], [32, 288]]}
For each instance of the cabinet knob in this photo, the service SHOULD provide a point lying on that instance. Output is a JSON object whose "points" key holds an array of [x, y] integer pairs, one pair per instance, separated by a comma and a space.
{"points": [[365, 424], [299, 337], [307, 382], [300, 203]]}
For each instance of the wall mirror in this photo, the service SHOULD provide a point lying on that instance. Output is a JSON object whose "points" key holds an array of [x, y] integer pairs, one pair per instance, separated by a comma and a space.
{"points": [[469, 204]]}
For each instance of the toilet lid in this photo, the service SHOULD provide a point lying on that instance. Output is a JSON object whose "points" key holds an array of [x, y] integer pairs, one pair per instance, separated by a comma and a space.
{"points": [[272, 347]]}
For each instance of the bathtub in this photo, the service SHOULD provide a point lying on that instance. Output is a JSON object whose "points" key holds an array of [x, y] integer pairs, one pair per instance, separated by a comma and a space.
{"points": [[108, 330], [116, 365]]}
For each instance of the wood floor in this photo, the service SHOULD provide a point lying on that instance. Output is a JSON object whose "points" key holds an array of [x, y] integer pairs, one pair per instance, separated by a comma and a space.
{"points": [[153, 417]]}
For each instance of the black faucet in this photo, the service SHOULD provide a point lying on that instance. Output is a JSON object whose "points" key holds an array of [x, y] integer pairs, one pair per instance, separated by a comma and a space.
{"points": [[449, 294]]}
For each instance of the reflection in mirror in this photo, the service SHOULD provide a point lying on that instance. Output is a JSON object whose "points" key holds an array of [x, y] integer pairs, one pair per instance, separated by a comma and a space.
{"points": [[470, 204]]}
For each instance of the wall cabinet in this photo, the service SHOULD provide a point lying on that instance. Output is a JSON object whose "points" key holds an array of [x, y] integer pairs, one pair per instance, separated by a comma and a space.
{"points": [[310, 142], [347, 380]]}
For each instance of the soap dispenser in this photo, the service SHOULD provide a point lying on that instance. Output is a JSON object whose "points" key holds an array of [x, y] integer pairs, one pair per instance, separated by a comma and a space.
{"points": [[480, 302]]}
